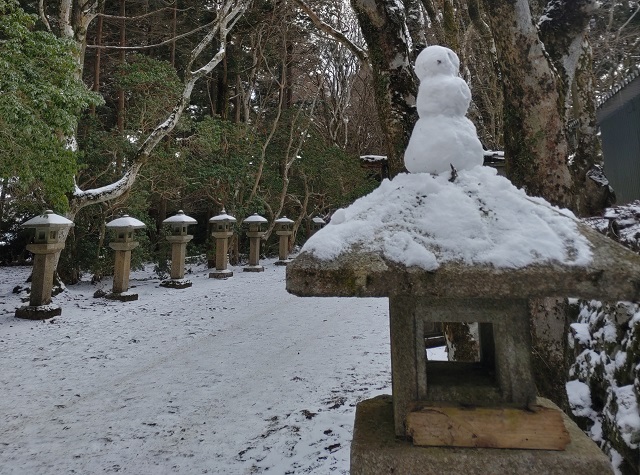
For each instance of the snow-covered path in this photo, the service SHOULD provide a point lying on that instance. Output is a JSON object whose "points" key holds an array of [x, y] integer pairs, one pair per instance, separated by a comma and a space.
{"points": [[230, 377]]}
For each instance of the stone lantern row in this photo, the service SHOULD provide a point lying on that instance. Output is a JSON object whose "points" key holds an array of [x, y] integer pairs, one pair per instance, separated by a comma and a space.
{"points": [[51, 231]]}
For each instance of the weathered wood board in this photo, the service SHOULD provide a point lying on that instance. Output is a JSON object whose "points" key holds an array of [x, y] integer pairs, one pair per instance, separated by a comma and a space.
{"points": [[502, 428]]}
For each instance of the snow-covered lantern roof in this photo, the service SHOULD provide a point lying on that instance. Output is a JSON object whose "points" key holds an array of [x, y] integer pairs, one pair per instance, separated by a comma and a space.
{"points": [[317, 223], [47, 227], [124, 227], [222, 222], [179, 223], [283, 224], [255, 222]]}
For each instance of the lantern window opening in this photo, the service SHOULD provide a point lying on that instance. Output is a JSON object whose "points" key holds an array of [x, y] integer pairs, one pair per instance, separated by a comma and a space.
{"points": [[471, 369]]}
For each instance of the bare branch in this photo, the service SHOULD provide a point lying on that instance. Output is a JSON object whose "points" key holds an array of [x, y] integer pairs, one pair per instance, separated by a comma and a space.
{"points": [[155, 45], [144, 15], [331, 31]]}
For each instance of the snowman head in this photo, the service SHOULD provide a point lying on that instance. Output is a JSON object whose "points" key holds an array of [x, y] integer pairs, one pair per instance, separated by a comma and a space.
{"points": [[435, 61]]}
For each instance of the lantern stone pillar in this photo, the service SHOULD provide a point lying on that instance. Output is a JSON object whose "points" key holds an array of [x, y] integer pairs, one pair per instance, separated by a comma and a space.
{"points": [[123, 244], [284, 229], [178, 239], [50, 234], [255, 234], [222, 231]]}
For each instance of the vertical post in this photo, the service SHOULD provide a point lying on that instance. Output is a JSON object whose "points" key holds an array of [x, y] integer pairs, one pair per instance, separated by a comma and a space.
{"points": [[254, 251], [121, 271], [408, 359], [42, 279], [222, 250], [178, 254]]}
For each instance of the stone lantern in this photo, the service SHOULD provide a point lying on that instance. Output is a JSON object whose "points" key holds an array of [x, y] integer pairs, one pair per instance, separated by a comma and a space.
{"points": [[50, 234], [222, 231], [256, 231], [317, 224], [123, 244], [178, 239], [284, 229], [458, 416]]}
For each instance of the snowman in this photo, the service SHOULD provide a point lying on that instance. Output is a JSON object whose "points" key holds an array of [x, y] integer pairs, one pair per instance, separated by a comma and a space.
{"points": [[443, 136]]}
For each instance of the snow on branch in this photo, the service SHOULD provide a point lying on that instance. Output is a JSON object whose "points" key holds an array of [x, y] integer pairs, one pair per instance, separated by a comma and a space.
{"points": [[230, 12]]}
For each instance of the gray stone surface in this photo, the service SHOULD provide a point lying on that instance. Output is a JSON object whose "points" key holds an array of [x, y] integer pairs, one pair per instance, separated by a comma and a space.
{"points": [[376, 451], [42, 312], [614, 272], [503, 376]]}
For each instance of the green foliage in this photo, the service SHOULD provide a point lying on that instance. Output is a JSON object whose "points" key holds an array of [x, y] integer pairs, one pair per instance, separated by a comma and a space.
{"points": [[222, 159], [40, 100], [152, 87]]}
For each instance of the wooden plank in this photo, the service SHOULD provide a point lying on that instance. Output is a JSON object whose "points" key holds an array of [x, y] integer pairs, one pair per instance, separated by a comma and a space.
{"points": [[502, 428]]}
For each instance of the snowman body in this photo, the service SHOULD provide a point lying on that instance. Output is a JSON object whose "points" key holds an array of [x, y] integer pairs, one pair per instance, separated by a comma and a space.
{"points": [[443, 136]]}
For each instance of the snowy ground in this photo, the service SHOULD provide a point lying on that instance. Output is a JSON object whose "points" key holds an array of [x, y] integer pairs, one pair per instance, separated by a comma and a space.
{"points": [[231, 377]]}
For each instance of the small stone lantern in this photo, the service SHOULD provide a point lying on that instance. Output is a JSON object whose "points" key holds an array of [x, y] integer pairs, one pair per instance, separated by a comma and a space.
{"points": [[50, 234], [123, 244], [317, 224], [222, 231], [256, 231], [178, 239], [284, 229]]}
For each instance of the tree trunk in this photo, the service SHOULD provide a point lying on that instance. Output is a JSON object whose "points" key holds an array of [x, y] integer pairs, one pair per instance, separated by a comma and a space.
{"points": [[383, 27], [535, 142], [96, 66]]}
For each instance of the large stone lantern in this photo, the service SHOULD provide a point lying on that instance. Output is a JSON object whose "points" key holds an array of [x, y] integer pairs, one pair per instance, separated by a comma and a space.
{"points": [[123, 243], [255, 232], [50, 234], [222, 231], [178, 239], [284, 229], [317, 223], [481, 416]]}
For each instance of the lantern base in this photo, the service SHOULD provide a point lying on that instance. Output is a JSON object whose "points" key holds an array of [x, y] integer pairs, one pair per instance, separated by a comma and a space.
{"points": [[176, 283], [375, 450], [253, 269], [282, 262], [221, 274], [122, 296], [38, 312]]}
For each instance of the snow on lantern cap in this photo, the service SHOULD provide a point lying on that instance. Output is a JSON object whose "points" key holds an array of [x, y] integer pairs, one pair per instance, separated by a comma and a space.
{"points": [[179, 222], [126, 221], [180, 218], [223, 217], [221, 222], [124, 227], [283, 224], [255, 218], [47, 225], [255, 222], [47, 219]]}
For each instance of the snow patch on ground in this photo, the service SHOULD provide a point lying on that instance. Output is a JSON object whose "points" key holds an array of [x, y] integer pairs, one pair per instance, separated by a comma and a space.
{"points": [[226, 377]]}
